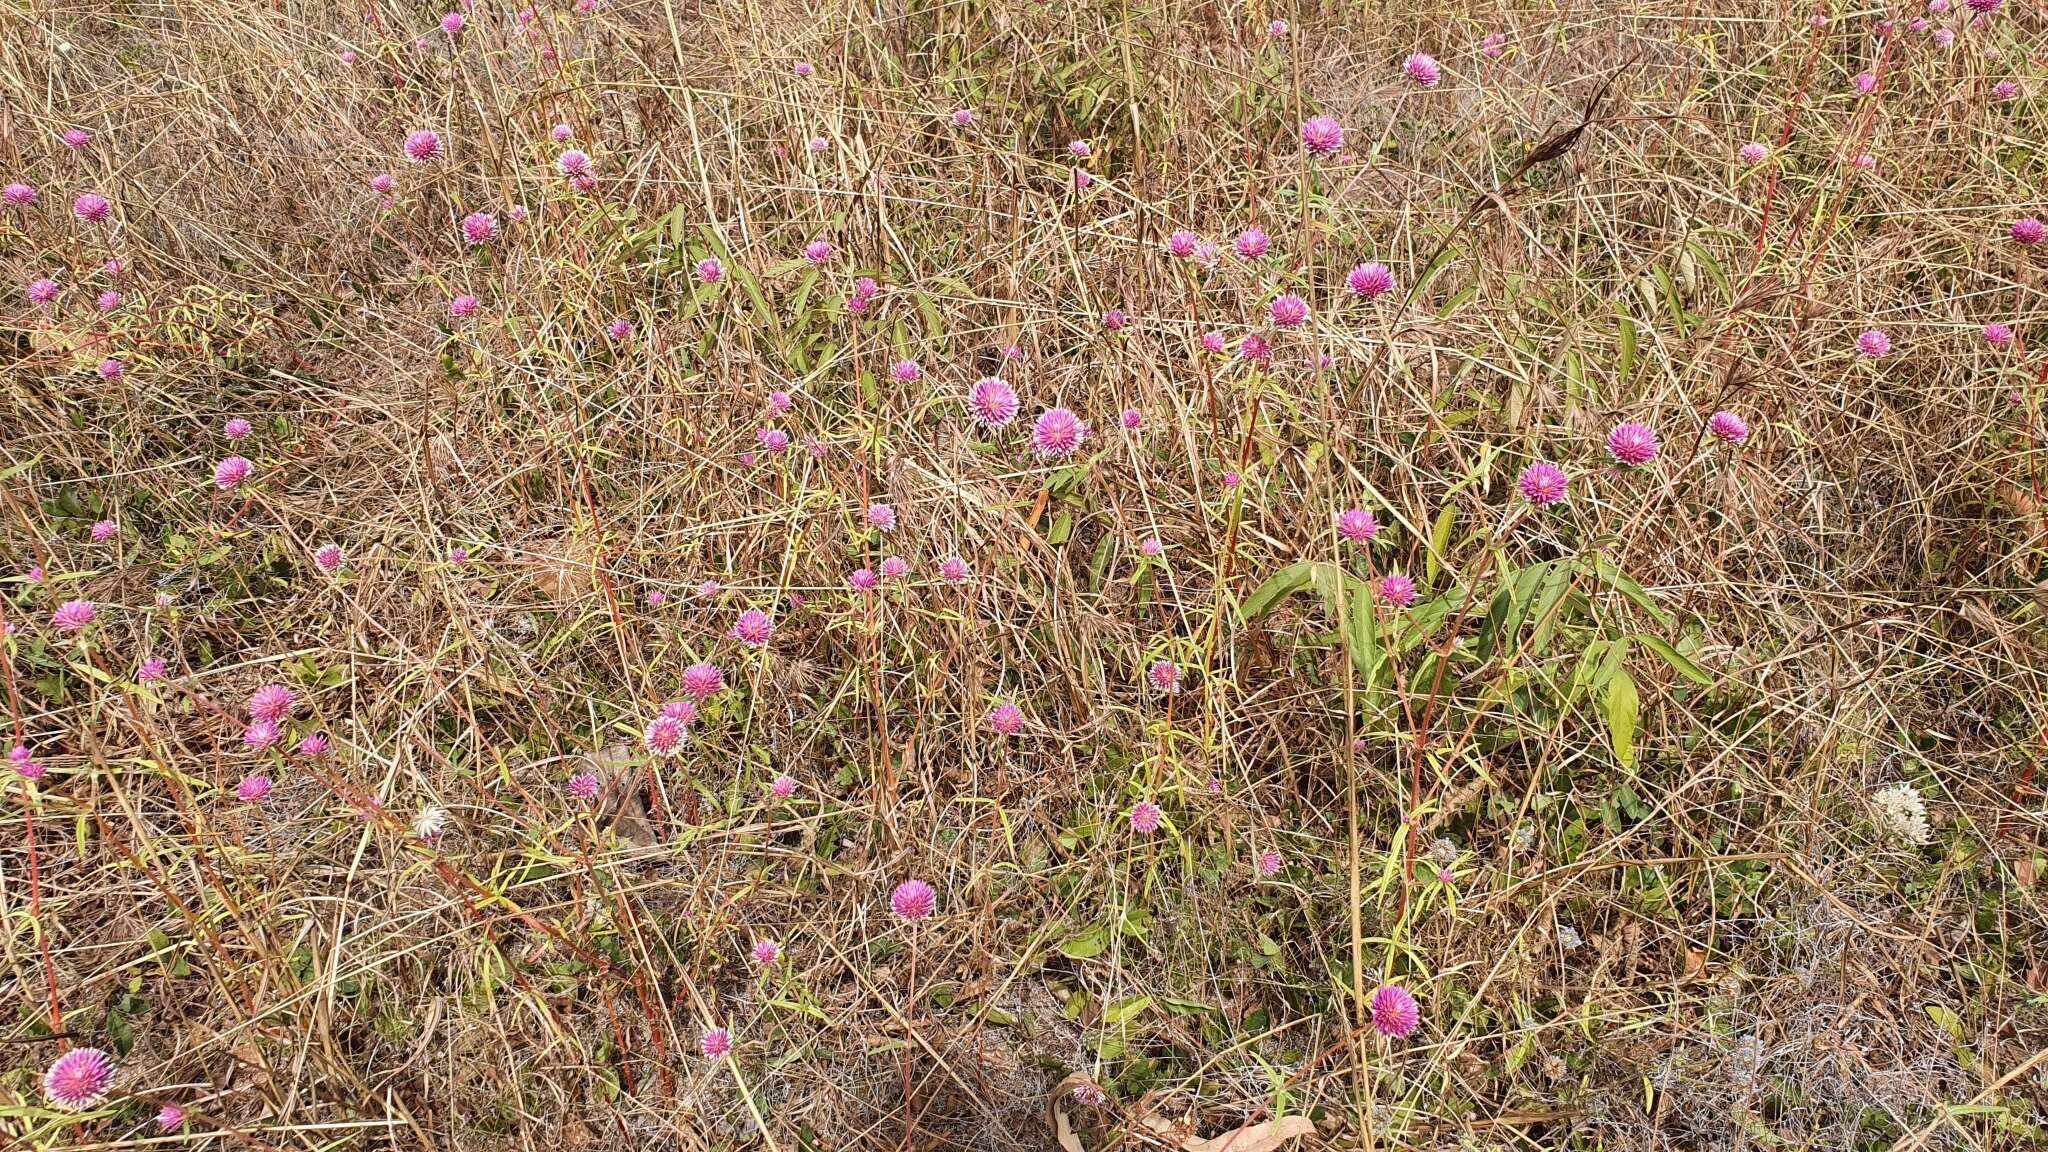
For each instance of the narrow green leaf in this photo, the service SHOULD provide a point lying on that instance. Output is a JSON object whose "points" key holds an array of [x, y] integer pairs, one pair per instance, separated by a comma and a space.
{"points": [[1678, 660], [1621, 705], [1440, 542], [1088, 945], [1285, 582]]}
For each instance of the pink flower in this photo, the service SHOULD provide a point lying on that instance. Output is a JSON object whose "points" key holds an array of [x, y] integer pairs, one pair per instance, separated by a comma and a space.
{"points": [[1397, 590], [1082, 179], [1865, 82], [819, 144], [451, 23], [463, 306], [905, 372], [803, 68], [1277, 29], [1357, 525], [861, 580], [710, 270], [1057, 433], [152, 670], [103, 531], [2028, 231], [881, 517], [583, 786], [1543, 483], [1984, 6], [1863, 162], [314, 746], [479, 228], [664, 736], [779, 401], [108, 301], [1006, 719], [79, 1078], [585, 182], [1232, 480], [914, 900], [112, 368], [73, 615], [1212, 342], [1753, 152], [773, 439], [1252, 243], [619, 329], [962, 117], [1423, 70], [1132, 418], [1494, 44], [1728, 428], [1997, 335], [818, 251], [170, 1118], [1370, 280], [1290, 311], [382, 183], [895, 568], [993, 402], [458, 555], [1269, 863], [573, 162], [1394, 1012], [422, 146], [782, 787], [715, 1043], [1322, 135], [2003, 90], [253, 788], [1182, 243], [91, 207], [272, 702], [703, 680], [1632, 443], [1145, 817], [328, 558], [683, 712], [1874, 343], [656, 598], [1919, 24], [1150, 547], [19, 195], [1078, 149], [766, 953], [1164, 675], [261, 735], [754, 627], [42, 291], [1114, 319], [562, 133], [953, 570]]}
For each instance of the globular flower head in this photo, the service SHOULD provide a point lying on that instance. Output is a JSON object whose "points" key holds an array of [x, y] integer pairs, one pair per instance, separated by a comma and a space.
{"points": [[2003, 90], [1866, 82], [780, 400], [954, 570], [1269, 863], [1057, 433], [382, 183], [1370, 280], [1078, 149], [479, 228], [272, 702], [665, 735], [73, 615], [78, 1078], [2028, 230], [1632, 443], [152, 670], [803, 68], [1394, 1012], [422, 146], [1397, 590], [253, 789], [170, 1118], [91, 207], [1146, 817], [42, 290], [1728, 428], [715, 1043], [818, 251], [619, 329], [710, 270], [1754, 152], [993, 402], [464, 306], [962, 117], [107, 301], [451, 23], [328, 558], [1255, 348], [573, 162], [1494, 44], [861, 580], [1322, 135], [1182, 243], [1863, 162], [895, 568], [703, 680], [1132, 419], [1164, 676], [782, 787], [1252, 243], [1114, 319], [1212, 342], [231, 471], [562, 133], [1357, 525], [1543, 483], [1150, 547], [766, 952], [103, 531], [754, 627], [583, 787], [683, 712], [1984, 6], [819, 144], [905, 372], [1006, 719], [1422, 69], [1277, 29], [1290, 311], [1874, 343], [773, 439], [19, 195], [914, 900], [881, 517], [1997, 335], [314, 746], [261, 735]]}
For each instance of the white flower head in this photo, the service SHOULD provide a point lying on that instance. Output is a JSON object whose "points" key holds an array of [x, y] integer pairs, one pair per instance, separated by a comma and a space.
{"points": [[431, 824], [1902, 813]]}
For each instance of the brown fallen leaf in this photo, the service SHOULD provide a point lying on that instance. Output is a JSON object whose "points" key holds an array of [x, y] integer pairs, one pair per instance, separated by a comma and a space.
{"points": [[1695, 963], [1057, 1117], [1261, 1137]]}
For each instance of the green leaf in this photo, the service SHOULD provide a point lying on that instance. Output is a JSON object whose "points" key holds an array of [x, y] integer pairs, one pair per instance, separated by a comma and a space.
{"points": [[1676, 659], [1627, 361], [1285, 582], [1092, 943], [1061, 529], [1123, 1010], [1621, 705], [1615, 578], [1440, 542]]}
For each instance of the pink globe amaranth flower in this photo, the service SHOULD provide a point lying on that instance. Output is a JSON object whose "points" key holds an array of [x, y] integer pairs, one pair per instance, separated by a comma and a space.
{"points": [[861, 580], [818, 251], [1114, 319], [1865, 82], [26, 766], [1322, 135], [1006, 719], [657, 598], [78, 1078], [73, 615], [1370, 280], [458, 555], [683, 712], [1919, 24], [170, 1118], [42, 291], [451, 23], [479, 228], [382, 183], [754, 627], [91, 207], [914, 900], [1754, 152], [35, 574], [1269, 863], [585, 182], [103, 530], [1078, 149], [773, 439], [1422, 69], [1494, 44], [1132, 419], [2003, 90], [151, 671], [1151, 547], [816, 447], [2028, 230], [112, 368], [1255, 348], [19, 195], [1394, 1012], [1146, 817], [253, 788], [272, 702], [1543, 483], [906, 372], [895, 568], [1057, 434], [1874, 343], [1213, 342], [1397, 590], [1232, 480], [1277, 29], [819, 144], [881, 517], [1632, 443], [582, 786], [464, 306], [1863, 162], [865, 288], [1997, 335], [422, 145], [1728, 428], [573, 162], [1164, 676], [962, 117], [993, 402], [261, 735], [766, 952], [313, 747], [1252, 243], [782, 787], [108, 301], [1182, 243], [1984, 6], [1937, 6], [665, 735], [703, 680], [619, 329], [562, 133], [1357, 525], [803, 68], [1208, 254], [710, 270], [715, 1043], [779, 400], [328, 558], [1290, 311], [953, 570]]}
